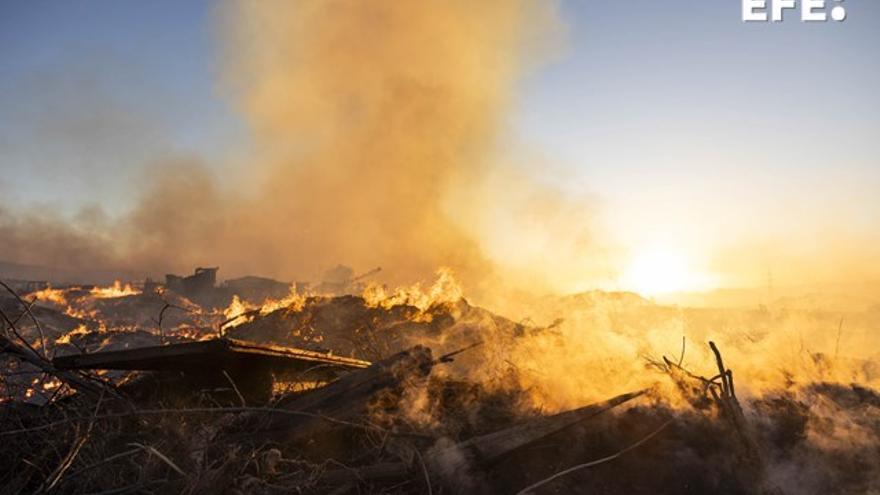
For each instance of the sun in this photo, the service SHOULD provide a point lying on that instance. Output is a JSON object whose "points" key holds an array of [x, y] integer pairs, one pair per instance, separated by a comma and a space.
{"points": [[661, 271]]}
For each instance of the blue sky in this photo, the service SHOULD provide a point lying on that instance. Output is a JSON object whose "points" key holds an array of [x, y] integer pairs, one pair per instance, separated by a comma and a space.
{"points": [[675, 75], [685, 122], [695, 128], [140, 75]]}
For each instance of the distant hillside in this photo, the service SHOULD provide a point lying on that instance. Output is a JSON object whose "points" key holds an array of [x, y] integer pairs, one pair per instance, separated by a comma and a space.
{"points": [[10, 270], [73, 275], [852, 296]]}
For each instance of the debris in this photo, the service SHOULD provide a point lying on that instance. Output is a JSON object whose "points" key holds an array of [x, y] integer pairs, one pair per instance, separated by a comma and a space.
{"points": [[344, 400], [219, 361], [204, 279], [27, 355], [240, 414], [220, 353], [342, 280], [257, 288], [489, 448], [455, 463], [572, 469]]}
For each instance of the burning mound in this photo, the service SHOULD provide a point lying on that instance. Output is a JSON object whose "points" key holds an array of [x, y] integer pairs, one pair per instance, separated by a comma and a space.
{"points": [[352, 326], [399, 395]]}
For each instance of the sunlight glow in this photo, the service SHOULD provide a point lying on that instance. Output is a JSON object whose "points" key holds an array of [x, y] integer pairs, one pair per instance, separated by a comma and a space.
{"points": [[662, 271]]}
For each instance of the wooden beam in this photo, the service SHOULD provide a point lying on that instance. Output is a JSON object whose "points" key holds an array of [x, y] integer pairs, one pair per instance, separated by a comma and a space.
{"points": [[206, 355]]}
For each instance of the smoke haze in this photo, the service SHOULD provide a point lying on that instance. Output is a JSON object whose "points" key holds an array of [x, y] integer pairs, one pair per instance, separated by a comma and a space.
{"points": [[373, 132], [380, 134]]}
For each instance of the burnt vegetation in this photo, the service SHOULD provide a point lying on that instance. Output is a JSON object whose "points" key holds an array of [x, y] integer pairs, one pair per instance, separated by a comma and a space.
{"points": [[361, 397]]}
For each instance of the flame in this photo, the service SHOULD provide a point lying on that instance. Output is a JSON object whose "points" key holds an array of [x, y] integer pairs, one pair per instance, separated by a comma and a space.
{"points": [[445, 289], [55, 296], [240, 311], [236, 309], [72, 304], [115, 290], [293, 300], [80, 313], [191, 333], [65, 339], [51, 384]]}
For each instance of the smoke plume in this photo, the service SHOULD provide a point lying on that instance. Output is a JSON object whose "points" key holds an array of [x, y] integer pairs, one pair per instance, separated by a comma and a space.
{"points": [[366, 115], [374, 127]]}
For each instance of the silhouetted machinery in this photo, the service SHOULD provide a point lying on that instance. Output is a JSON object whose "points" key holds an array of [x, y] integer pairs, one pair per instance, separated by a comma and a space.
{"points": [[204, 279]]}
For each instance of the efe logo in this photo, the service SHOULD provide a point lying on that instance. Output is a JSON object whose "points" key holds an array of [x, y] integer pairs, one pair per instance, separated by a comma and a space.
{"points": [[811, 10]]}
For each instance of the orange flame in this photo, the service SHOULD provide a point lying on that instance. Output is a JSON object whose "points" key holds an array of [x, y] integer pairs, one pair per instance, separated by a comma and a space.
{"points": [[445, 289], [65, 339], [115, 290], [55, 296]]}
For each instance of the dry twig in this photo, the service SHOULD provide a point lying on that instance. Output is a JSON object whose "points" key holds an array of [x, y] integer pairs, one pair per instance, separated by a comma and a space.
{"points": [[197, 410], [27, 309], [596, 462]]}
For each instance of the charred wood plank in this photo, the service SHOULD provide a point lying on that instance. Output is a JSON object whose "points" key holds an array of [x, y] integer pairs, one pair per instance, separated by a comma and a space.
{"points": [[250, 368], [215, 353], [491, 447], [342, 400]]}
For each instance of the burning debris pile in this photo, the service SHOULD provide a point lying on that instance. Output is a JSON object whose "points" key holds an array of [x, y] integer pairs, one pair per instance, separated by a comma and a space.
{"points": [[119, 390]]}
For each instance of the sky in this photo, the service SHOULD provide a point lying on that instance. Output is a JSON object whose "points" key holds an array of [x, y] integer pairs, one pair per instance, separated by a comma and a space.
{"points": [[699, 136], [698, 129], [138, 77]]}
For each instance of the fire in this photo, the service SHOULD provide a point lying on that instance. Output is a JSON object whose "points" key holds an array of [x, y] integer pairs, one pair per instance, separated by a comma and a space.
{"points": [[236, 309], [71, 302], [445, 289], [115, 290], [76, 311], [240, 311], [51, 295], [65, 339], [52, 384], [292, 300]]}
